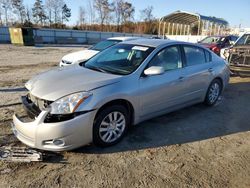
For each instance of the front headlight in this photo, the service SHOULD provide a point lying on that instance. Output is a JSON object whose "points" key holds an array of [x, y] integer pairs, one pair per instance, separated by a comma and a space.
{"points": [[69, 104]]}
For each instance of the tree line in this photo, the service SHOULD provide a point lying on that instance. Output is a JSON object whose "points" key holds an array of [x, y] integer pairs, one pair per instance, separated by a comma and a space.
{"points": [[99, 15]]}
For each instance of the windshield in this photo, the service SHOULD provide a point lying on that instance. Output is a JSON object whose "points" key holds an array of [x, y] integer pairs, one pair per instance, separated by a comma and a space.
{"points": [[211, 40], [244, 40], [120, 59], [104, 44]]}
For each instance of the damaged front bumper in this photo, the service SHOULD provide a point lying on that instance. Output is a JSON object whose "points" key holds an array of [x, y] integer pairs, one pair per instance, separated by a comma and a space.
{"points": [[53, 136], [239, 60]]}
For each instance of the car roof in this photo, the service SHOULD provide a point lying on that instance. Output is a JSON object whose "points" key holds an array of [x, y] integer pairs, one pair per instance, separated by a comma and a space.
{"points": [[151, 42], [124, 38]]}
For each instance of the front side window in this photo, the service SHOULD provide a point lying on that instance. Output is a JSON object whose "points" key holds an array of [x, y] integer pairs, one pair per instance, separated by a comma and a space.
{"points": [[194, 55], [105, 44], [120, 59], [168, 58]]}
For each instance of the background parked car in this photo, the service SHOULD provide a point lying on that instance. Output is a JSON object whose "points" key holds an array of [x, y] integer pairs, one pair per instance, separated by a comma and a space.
{"points": [[83, 55], [239, 59], [216, 43]]}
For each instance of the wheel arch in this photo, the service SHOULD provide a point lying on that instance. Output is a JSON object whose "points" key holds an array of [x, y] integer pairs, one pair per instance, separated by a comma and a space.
{"points": [[123, 102]]}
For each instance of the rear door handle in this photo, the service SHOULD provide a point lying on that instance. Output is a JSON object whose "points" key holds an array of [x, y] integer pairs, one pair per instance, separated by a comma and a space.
{"points": [[181, 78], [210, 70]]}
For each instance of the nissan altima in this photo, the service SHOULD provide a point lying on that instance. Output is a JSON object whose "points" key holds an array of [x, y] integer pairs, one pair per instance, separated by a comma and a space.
{"points": [[98, 100]]}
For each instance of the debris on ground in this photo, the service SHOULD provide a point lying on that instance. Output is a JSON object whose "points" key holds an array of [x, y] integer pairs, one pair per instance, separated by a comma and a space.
{"points": [[19, 154]]}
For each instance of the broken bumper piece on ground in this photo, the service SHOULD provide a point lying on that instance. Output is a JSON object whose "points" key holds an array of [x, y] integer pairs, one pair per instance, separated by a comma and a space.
{"points": [[20, 154]]}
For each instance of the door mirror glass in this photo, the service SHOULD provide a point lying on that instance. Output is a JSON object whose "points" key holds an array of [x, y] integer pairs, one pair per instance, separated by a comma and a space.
{"points": [[154, 70]]}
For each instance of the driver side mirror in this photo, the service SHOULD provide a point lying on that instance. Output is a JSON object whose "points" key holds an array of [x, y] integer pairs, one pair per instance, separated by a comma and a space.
{"points": [[154, 70]]}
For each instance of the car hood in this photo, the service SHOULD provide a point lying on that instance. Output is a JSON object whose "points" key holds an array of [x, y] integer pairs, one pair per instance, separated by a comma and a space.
{"points": [[79, 56], [60, 82]]}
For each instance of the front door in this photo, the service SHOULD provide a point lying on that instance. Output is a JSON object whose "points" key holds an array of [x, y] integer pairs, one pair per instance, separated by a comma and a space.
{"points": [[160, 92]]}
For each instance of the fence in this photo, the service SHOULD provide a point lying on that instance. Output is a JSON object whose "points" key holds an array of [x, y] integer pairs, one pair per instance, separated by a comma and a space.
{"points": [[62, 36], [59, 36]]}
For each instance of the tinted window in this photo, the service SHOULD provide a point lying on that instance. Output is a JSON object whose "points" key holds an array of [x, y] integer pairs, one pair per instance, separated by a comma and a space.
{"points": [[208, 56], [169, 59], [233, 38], [194, 55]]}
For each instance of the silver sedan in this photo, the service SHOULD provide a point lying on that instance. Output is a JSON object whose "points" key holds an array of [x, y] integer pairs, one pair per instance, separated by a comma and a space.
{"points": [[98, 100]]}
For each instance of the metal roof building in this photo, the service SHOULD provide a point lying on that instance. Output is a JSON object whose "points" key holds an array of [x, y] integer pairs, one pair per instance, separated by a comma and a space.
{"points": [[181, 23]]}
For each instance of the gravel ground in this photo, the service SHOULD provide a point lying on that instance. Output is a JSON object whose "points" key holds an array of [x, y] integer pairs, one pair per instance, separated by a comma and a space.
{"points": [[194, 147]]}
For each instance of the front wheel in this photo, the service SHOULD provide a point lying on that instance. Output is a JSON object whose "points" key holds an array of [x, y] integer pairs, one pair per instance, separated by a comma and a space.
{"points": [[213, 92], [110, 126]]}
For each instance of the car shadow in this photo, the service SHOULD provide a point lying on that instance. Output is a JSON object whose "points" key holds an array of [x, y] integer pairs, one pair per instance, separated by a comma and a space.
{"points": [[195, 123]]}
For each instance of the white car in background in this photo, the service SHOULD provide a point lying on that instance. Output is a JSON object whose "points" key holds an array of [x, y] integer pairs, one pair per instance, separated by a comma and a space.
{"points": [[83, 55]]}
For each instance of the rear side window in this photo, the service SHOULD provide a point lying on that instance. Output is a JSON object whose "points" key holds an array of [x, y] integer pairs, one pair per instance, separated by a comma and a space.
{"points": [[194, 55], [208, 56]]}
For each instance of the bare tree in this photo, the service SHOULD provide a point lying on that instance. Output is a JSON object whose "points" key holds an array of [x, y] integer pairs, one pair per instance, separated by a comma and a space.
{"points": [[82, 15], [19, 9], [118, 12], [54, 9], [91, 11], [48, 9], [1, 12], [147, 14], [28, 21], [127, 12], [7, 7], [148, 19], [103, 8]]}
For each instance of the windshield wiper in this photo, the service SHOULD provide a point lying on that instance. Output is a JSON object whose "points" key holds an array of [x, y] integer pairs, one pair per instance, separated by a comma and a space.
{"points": [[97, 69]]}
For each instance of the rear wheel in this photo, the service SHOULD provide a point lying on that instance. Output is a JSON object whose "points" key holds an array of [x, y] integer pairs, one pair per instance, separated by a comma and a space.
{"points": [[213, 92], [110, 126]]}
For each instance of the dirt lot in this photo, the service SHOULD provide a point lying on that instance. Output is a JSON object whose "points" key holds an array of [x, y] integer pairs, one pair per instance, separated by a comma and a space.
{"points": [[194, 147]]}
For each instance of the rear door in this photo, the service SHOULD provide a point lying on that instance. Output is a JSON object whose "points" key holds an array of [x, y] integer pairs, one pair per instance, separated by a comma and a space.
{"points": [[199, 71]]}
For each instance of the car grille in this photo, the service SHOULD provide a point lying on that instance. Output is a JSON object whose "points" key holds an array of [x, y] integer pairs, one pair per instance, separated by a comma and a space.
{"points": [[40, 103], [240, 57]]}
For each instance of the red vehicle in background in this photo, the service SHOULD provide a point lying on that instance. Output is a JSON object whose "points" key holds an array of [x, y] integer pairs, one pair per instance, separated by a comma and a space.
{"points": [[216, 43]]}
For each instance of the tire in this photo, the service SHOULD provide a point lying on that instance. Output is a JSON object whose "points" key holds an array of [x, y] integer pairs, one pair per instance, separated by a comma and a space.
{"points": [[110, 125], [213, 92]]}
